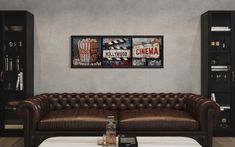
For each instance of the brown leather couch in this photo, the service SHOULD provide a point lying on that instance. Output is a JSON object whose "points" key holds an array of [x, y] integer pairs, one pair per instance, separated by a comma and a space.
{"points": [[141, 114]]}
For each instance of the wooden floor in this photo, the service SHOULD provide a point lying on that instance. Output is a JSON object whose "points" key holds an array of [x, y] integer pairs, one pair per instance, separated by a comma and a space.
{"points": [[11, 142], [18, 142], [224, 142]]}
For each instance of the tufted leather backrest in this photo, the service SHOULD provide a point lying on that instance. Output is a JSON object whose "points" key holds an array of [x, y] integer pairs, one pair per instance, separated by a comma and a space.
{"points": [[117, 101]]}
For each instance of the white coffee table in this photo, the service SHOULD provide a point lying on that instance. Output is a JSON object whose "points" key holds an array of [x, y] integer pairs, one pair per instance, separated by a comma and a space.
{"points": [[142, 142]]}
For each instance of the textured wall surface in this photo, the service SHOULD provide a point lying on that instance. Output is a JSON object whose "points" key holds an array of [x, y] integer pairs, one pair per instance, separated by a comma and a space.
{"points": [[177, 20]]}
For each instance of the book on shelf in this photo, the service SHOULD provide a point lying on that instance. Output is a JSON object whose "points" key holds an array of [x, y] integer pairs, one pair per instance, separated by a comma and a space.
{"points": [[220, 28], [13, 126], [213, 98], [7, 108], [220, 68], [224, 107], [19, 82]]}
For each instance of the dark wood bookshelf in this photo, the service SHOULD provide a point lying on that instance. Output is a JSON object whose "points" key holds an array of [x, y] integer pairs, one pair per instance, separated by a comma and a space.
{"points": [[218, 66], [16, 68]]}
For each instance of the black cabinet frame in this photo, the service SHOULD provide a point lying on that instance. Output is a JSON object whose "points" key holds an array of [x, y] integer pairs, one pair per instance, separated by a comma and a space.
{"points": [[218, 49], [17, 45]]}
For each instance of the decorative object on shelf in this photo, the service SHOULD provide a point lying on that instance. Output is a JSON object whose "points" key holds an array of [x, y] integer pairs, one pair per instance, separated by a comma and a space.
{"points": [[117, 51]]}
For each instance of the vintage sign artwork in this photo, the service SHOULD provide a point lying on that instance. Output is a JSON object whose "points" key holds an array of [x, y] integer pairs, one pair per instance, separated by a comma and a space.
{"points": [[146, 51], [86, 51], [116, 51]]}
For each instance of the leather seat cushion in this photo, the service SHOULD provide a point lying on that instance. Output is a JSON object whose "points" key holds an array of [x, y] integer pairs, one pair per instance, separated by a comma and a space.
{"points": [[76, 119], [156, 120]]}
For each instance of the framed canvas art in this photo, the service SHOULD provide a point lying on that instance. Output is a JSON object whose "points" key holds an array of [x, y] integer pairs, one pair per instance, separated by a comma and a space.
{"points": [[117, 51], [147, 51], [86, 52]]}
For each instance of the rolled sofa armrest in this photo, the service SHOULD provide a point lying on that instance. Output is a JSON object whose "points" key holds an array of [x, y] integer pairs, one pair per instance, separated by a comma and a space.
{"points": [[34, 108], [201, 107]]}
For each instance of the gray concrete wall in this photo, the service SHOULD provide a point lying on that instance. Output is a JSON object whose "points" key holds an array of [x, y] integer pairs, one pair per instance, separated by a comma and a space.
{"points": [[177, 20]]}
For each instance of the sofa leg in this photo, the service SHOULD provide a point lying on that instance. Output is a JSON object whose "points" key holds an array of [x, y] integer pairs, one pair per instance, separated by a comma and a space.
{"points": [[27, 135], [210, 128]]}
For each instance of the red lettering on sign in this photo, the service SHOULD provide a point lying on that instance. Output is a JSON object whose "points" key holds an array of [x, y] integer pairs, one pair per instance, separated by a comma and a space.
{"points": [[156, 51], [147, 51]]}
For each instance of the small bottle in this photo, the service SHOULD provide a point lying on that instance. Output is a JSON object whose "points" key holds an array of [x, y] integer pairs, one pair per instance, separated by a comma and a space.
{"points": [[6, 63], [217, 44], [218, 77], [223, 45], [111, 132], [212, 76], [4, 47], [225, 77], [213, 44], [18, 63], [10, 65], [20, 44], [9, 86]]}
